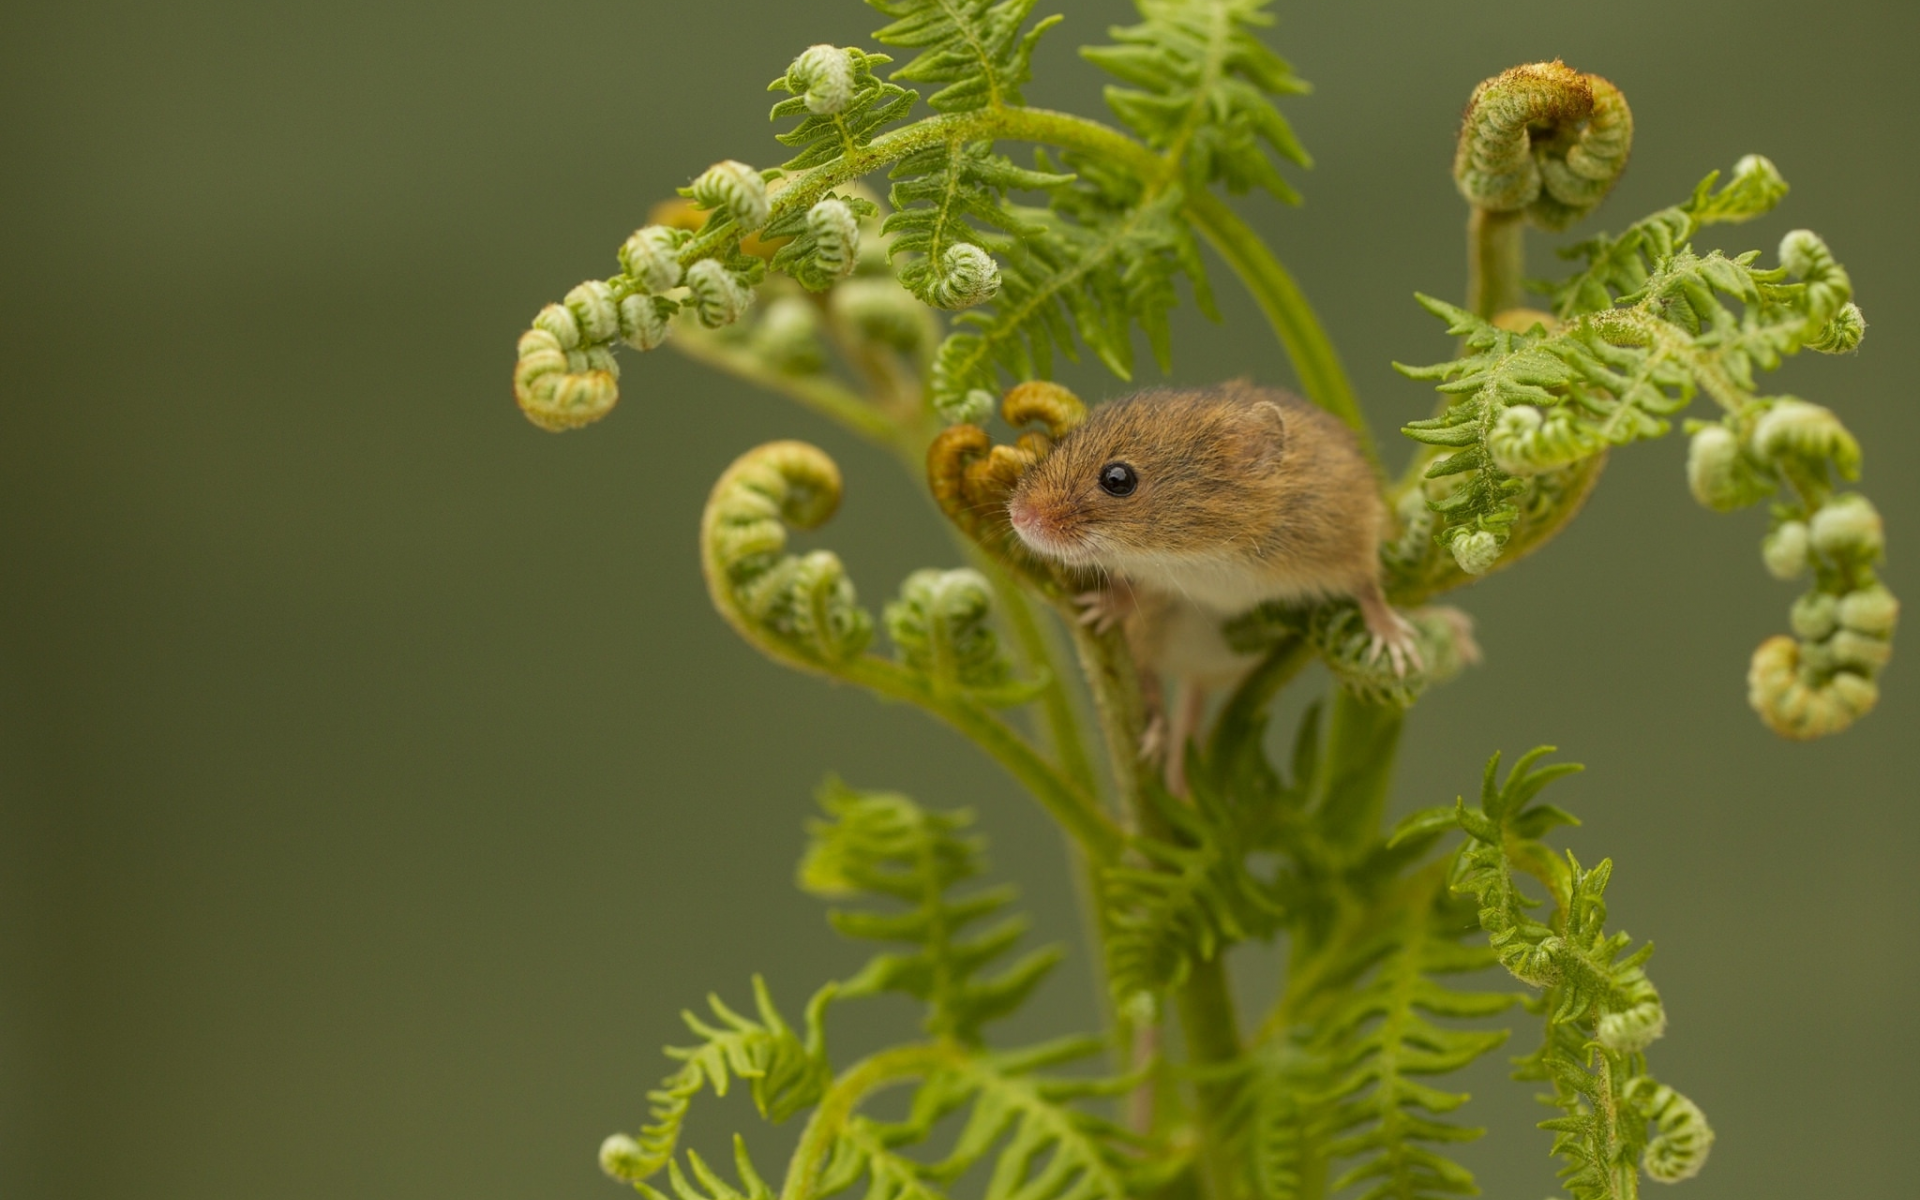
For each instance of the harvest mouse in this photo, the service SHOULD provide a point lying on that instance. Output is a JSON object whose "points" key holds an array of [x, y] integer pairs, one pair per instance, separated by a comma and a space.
{"points": [[1199, 505]]}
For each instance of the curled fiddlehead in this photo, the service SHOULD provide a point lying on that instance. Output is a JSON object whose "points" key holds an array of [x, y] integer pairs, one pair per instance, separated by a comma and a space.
{"points": [[942, 627], [1543, 139], [1645, 327], [801, 610], [566, 376]]}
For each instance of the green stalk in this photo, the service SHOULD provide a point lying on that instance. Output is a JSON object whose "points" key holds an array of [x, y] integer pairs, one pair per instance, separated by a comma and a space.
{"points": [[820, 393], [1496, 261], [836, 1107], [1315, 362], [1079, 813], [1356, 770]]}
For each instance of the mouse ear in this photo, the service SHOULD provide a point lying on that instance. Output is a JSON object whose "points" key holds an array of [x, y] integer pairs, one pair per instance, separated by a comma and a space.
{"points": [[1266, 428]]}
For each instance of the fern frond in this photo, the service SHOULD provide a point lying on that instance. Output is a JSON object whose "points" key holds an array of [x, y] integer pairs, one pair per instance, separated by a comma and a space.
{"points": [[1600, 1009], [1648, 325], [975, 47], [1200, 86], [841, 116], [783, 1073], [1382, 1039], [1048, 1148], [1339, 635], [942, 627], [1188, 897], [881, 844], [709, 1184]]}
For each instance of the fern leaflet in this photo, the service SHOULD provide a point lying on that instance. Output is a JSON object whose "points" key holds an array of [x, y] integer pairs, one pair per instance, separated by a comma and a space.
{"points": [[884, 845], [975, 47], [1200, 83]]}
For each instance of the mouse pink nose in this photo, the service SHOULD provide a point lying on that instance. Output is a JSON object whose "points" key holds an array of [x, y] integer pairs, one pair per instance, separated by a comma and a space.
{"points": [[1021, 514]]}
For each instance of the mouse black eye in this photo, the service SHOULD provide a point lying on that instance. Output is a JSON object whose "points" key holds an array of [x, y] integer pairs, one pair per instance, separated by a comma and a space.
{"points": [[1118, 479]]}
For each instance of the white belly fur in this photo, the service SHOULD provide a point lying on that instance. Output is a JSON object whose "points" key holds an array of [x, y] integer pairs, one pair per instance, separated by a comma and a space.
{"points": [[1227, 588]]}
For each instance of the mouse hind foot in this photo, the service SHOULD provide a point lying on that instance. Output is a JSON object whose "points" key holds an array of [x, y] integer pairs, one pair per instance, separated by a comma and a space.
{"points": [[1393, 635]]}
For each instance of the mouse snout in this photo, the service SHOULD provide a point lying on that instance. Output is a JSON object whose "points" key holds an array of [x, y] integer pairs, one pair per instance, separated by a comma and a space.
{"points": [[1021, 512], [1040, 525]]}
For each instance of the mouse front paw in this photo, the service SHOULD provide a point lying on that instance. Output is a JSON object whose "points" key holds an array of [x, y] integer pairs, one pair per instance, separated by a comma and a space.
{"points": [[1105, 609]]}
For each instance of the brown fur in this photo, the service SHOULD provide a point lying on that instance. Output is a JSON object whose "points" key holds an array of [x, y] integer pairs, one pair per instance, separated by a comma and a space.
{"points": [[1245, 494]]}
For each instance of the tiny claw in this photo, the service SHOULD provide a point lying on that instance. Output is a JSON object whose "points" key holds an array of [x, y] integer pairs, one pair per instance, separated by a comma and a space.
{"points": [[1153, 739], [1400, 643], [1102, 610]]}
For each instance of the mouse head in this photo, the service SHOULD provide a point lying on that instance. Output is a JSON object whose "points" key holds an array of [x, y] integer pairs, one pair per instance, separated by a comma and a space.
{"points": [[1162, 473]]}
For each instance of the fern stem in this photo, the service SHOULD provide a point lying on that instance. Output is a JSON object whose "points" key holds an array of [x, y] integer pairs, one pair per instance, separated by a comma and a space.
{"points": [[1362, 739], [1212, 1032], [1315, 362], [1496, 261], [819, 393], [1058, 714], [1255, 692], [836, 1107], [1077, 811]]}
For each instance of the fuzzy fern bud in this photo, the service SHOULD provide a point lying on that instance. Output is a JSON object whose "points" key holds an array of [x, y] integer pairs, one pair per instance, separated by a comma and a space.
{"points": [[836, 237], [1785, 550], [592, 308], [967, 275], [1795, 427], [1806, 257], [824, 76], [1633, 1029], [719, 296], [795, 608], [1814, 616], [1525, 441], [646, 320], [623, 1159], [1796, 701], [942, 627], [787, 337], [736, 187], [1843, 334], [1871, 611], [556, 385], [1476, 551], [974, 406], [1756, 189], [1544, 139], [1718, 472], [650, 257], [1683, 1139], [1848, 527]]}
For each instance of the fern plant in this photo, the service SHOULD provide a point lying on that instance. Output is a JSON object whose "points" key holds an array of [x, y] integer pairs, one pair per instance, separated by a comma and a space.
{"points": [[920, 183]]}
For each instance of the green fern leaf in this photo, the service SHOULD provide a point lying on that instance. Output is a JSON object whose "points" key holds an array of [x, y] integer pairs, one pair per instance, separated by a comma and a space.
{"points": [[974, 47], [1383, 1038], [1649, 324], [844, 122], [1200, 86], [709, 1184], [1190, 896], [883, 845], [1600, 1010], [784, 1074]]}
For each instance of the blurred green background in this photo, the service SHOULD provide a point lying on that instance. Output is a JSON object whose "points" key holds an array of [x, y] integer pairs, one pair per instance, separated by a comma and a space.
{"points": [[375, 783]]}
